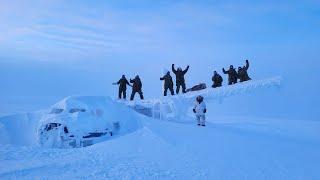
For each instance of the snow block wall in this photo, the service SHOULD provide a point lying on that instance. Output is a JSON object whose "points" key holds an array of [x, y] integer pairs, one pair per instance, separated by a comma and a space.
{"points": [[178, 108]]}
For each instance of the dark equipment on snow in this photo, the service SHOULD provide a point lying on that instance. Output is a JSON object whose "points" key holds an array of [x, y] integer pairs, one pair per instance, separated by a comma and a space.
{"points": [[136, 87], [198, 87], [97, 134], [168, 83], [180, 81]]}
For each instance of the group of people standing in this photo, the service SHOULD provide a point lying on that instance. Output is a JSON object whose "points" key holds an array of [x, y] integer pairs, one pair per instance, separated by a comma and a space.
{"points": [[180, 80], [136, 87], [233, 77]]}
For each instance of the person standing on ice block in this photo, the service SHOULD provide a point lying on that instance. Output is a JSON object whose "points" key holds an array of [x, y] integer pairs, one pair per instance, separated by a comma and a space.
{"points": [[136, 87], [180, 81], [168, 83], [123, 82], [232, 75], [200, 110]]}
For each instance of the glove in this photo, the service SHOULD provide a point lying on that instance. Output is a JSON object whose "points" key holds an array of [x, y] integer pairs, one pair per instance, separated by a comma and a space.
{"points": [[205, 111], [247, 61], [194, 111]]}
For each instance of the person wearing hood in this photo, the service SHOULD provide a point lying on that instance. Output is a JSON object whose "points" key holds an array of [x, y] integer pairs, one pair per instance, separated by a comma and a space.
{"points": [[123, 82], [243, 72], [136, 87], [180, 81], [217, 80], [168, 84], [200, 110], [232, 75]]}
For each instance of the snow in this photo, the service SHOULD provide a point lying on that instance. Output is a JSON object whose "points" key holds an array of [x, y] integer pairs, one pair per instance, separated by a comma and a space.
{"points": [[178, 108], [166, 148], [100, 113], [226, 149]]}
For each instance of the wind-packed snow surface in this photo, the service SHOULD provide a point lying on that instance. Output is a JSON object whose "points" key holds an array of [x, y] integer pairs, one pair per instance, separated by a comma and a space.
{"points": [[163, 144]]}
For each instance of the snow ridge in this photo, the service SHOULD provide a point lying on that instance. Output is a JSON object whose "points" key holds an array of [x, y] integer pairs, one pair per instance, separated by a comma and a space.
{"points": [[240, 88], [178, 108]]}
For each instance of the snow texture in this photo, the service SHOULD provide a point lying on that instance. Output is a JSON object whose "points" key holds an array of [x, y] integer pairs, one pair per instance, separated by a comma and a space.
{"points": [[227, 148]]}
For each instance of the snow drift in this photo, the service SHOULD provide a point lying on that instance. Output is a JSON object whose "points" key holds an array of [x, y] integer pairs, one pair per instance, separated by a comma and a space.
{"points": [[70, 120]]}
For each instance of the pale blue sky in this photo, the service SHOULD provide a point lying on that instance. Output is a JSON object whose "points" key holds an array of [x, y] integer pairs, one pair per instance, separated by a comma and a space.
{"points": [[55, 48]]}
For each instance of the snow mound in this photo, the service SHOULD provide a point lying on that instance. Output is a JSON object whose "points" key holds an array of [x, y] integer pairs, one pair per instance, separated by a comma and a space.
{"points": [[20, 129], [70, 120]]}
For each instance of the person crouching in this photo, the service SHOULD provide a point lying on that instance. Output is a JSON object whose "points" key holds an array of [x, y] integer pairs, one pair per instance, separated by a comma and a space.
{"points": [[200, 110]]}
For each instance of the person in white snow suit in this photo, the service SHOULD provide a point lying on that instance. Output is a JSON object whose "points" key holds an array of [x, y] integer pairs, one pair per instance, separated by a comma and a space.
{"points": [[200, 110]]}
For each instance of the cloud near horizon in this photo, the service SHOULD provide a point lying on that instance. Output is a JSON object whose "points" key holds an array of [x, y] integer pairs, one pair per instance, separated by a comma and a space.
{"points": [[47, 29]]}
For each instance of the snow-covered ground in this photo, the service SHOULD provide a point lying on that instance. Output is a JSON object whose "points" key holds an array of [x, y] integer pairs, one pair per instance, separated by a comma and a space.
{"points": [[228, 148]]}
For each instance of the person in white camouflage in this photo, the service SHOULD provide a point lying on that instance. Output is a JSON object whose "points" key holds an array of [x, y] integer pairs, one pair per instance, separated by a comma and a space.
{"points": [[200, 110]]}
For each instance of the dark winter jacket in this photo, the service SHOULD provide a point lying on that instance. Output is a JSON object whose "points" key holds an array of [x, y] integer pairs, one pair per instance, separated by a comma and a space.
{"points": [[217, 80], [167, 80], [179, 74], [123, 82], [137, 85], [243, 73], [232, 74]]}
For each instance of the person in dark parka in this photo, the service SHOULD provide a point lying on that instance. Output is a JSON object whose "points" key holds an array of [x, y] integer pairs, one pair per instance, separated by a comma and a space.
{"points": [[136, 87], [217, 80], [168, 83], [123, 82], [243, 72], [180, 81], [232, 75]]}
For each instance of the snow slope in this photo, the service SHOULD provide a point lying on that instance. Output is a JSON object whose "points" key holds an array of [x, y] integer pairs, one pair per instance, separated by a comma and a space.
{"points": [[228, 148]]}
